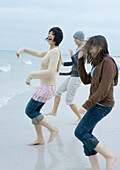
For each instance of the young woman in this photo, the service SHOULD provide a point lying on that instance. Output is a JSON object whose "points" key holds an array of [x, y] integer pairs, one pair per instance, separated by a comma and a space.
{"points": [[103, 77], [71, 84], [50, 64]]}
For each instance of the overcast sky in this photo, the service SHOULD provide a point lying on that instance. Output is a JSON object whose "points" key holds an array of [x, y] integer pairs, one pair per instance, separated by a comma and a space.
{"points": [[25, 23]]}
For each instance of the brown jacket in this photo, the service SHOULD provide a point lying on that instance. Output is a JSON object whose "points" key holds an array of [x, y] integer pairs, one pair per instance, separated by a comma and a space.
{"points": [[102, 82]]}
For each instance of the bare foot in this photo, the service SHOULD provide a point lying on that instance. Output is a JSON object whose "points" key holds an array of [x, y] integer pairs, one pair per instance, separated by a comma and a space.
{"points": [[50, 113], [110, 162], [37, 142], [76, 122], [53, 135]]}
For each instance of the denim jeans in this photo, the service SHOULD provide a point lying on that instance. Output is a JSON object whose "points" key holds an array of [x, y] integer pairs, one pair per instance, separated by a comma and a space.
{"points": [[85, 128], [33, 111]]}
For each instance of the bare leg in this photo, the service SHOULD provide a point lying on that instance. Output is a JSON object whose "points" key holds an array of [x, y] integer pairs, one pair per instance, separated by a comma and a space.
{"points": [[94, 162], [110, 157], [40, 139], [55, 107], [76, 111], [53, 130]]}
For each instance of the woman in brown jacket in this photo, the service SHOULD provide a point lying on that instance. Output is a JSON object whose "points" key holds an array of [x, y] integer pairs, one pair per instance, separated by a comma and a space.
{"points": [[103, 77]]}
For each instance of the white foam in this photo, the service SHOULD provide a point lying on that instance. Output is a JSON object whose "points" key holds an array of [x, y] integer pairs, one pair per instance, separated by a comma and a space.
{"points": [[6, 68], [28, 62], [5, 99]]}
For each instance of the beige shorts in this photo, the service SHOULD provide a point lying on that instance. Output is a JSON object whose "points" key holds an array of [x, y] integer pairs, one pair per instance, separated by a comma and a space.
{"points": [[70, 85]]}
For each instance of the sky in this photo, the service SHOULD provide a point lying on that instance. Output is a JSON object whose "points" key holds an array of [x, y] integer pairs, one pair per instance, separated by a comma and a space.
{"points": [[25, 23]]}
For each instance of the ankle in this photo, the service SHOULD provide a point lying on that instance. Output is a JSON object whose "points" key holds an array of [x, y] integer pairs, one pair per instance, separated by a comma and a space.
{"points": [[54, 111], [40, 139]]}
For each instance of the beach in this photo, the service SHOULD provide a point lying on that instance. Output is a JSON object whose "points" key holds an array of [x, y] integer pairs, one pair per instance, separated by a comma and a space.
{"points": [[16, 129]]}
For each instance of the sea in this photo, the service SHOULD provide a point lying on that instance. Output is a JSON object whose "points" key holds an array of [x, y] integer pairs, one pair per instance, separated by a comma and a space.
{"points": [[13, 73]]}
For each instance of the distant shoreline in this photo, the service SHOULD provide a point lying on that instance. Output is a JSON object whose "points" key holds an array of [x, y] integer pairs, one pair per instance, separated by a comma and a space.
{"points": [[10, 51], [7, 51]]}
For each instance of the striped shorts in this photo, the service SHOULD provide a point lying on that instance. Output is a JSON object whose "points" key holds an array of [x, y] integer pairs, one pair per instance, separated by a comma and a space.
{"points": [[44, 93]]}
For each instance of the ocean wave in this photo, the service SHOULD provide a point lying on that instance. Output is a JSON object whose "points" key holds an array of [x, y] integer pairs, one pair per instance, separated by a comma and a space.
{"points": [[28, 62], [6, 68], [5, 99]]}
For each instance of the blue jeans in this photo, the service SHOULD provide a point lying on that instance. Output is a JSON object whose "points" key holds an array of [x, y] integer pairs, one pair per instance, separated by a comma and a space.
{"points": [[85, 128], [33, 111]]}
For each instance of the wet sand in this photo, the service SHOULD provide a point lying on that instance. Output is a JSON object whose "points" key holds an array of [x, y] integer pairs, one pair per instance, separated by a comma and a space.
{"points": [[65, 152]]}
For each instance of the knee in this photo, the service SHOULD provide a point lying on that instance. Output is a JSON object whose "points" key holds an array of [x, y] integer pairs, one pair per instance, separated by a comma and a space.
{"points": [[29, 107], [76, 133], [28, 112], [79, 134]]}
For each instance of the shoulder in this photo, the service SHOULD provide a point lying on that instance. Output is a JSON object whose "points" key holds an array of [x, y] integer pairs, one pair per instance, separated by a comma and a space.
{"points": [[108, 60], [43, 52], [55, 51]]}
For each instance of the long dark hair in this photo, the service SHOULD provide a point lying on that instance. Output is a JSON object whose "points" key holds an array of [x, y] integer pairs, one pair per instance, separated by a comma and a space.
{"points": [[57, 32], [98, 41]]}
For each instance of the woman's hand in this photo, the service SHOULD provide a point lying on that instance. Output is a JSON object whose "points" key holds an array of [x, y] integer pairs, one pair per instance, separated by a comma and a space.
{"points": [[28, 83], [82, 110], [62, 63], [17, 54], [28, 80], [71, 52], [80, 55], [20, 51]]}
